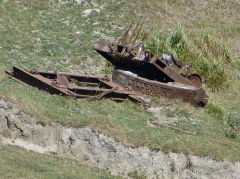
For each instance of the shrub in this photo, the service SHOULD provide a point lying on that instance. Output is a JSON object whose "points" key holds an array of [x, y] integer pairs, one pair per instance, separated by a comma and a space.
{"points": [[207, 54], [234, 123], [214, 74], [230, 134], [177, 42], [157, 43], [212, 47]]}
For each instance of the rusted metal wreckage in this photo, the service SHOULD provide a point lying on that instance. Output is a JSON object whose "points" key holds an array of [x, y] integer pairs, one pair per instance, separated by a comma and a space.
{"points": [[136, 68], [74, 85], [136, 71]]}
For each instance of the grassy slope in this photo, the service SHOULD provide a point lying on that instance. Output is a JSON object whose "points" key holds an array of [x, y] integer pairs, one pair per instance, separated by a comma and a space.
{"points": [[52, 35], [19, 163]]}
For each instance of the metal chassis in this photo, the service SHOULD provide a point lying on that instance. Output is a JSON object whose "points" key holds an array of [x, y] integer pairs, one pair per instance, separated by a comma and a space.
{"points": [[81, 86]]}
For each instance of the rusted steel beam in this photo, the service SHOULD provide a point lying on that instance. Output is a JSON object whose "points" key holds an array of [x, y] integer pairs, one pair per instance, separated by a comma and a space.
{"points": [[146, 34], [173, 74], [39, 81], [140, 29], [126, 34], [134, 31], [96, 91], [103, 94]]}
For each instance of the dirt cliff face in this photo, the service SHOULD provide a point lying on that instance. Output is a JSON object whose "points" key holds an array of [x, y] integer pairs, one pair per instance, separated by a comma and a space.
{"points": [[93, 148]]}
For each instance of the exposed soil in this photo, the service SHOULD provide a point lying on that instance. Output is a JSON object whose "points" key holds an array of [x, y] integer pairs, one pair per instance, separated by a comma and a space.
{"points": [[96, 149]]}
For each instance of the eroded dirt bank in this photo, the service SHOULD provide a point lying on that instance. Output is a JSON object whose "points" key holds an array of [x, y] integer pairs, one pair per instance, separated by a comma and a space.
{"points": [[96, 149]]}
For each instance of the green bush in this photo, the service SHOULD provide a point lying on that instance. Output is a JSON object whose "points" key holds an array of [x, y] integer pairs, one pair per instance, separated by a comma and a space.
{"points": [[231, 134], [234, 122], [177, 42], [157, 43], [208, 55], [213, 48], [213, 73]]}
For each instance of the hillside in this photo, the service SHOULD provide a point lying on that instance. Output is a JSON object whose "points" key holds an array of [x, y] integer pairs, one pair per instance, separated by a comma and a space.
{"points": [[60, 35]]}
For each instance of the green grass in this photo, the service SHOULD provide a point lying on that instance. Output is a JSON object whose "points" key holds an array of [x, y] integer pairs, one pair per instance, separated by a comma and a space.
{"points": [[234, 122], [19, 163], [52, 35], [215, 111], [136, 175]]}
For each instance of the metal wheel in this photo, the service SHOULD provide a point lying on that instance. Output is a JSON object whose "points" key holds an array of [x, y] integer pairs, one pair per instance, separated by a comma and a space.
{"points": [[196, 80]]}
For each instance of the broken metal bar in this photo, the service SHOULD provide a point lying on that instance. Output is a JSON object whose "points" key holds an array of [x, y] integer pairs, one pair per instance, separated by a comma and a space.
{"points": [[84, 83], [39, 81], [108, 84], [176, 129], [103, 94], [125, 36], [133, 33], [146, 34], [97, 91], [139, 31]]}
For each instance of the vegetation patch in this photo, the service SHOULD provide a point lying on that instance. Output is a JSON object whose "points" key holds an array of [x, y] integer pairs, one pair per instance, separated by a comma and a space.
{"points": [[215, 111], [135, 174], [176, 112], [234, 122], [173, 166], [208, 57], [19, 163]]}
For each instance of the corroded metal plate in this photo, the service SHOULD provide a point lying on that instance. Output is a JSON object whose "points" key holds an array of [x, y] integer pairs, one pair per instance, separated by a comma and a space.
{"points": [[187, 93]]}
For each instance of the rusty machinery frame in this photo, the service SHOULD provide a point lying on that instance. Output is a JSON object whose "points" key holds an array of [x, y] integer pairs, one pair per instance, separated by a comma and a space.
{"points": [[74, 85]]}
